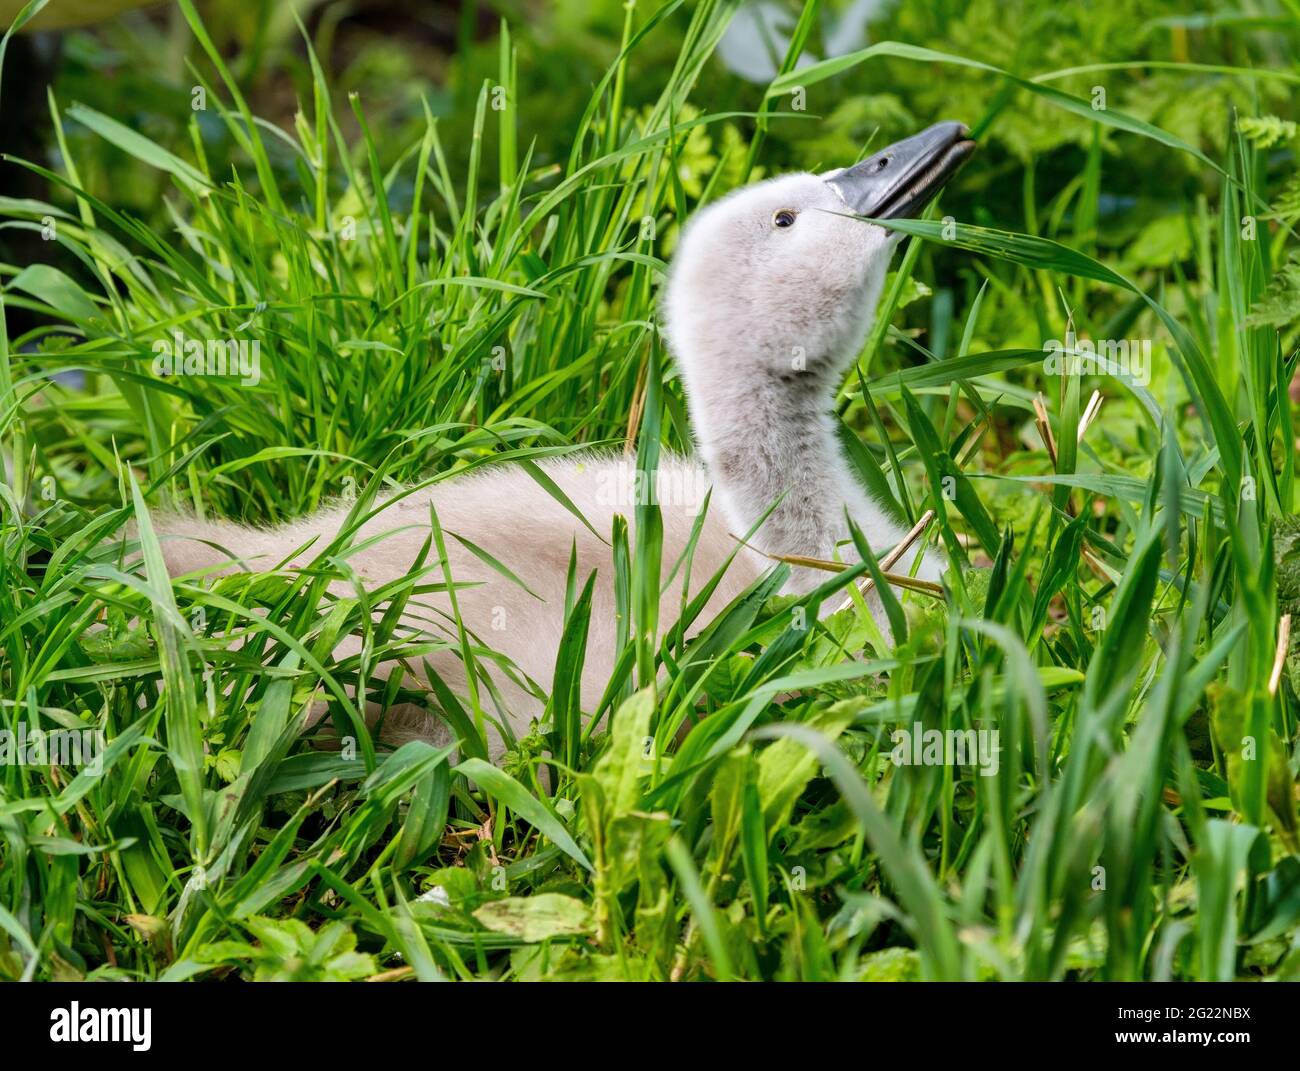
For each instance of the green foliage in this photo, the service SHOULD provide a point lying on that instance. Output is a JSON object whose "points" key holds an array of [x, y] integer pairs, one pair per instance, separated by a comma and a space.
{"points": [[1266, 131], [288, 950], [1279, 305], [438, 285]]}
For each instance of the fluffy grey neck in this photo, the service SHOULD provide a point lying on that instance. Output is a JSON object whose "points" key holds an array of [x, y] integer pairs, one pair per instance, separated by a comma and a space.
{"points": [[774, 441]]}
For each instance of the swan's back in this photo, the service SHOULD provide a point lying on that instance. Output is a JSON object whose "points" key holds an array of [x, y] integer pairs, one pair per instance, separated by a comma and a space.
{"points": [[509, 516]]}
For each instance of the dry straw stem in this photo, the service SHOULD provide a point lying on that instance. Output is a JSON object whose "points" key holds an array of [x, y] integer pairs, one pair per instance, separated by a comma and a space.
{"points": [[1279, 655]]}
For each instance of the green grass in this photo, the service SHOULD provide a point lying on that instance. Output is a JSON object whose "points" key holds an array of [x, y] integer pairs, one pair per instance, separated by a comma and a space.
{"points": [[427, 307]]}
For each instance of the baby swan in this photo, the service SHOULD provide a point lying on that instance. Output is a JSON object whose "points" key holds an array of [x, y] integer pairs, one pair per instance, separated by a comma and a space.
{"points": [[770, 296]]}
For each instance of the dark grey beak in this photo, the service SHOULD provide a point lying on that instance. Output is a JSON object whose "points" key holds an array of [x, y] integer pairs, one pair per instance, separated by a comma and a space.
{"points": [[903, 178]]}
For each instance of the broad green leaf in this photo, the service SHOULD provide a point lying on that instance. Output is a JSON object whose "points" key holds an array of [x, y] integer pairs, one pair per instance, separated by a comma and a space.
{"points": [[61, 293], [537, 917], [517, 798]]}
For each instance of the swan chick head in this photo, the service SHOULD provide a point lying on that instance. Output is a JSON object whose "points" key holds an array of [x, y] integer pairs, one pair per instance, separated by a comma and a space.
{"points": [[779, 278]]}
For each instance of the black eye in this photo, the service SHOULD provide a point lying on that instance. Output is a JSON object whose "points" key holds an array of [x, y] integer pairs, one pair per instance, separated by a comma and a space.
{"points": [[784, 218], [881, 164]]}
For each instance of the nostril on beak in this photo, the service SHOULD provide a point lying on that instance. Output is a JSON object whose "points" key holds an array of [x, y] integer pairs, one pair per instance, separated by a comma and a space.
{"points": [[904, 177]]}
